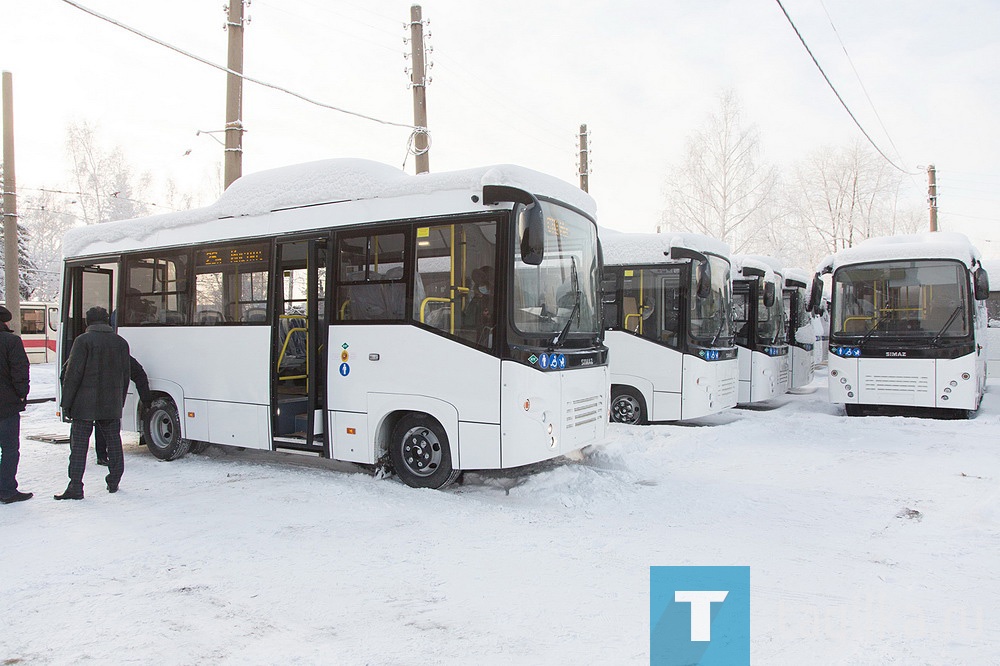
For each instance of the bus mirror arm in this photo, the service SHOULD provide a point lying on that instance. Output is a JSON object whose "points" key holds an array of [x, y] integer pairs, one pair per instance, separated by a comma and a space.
{"points": [[533, 233]]}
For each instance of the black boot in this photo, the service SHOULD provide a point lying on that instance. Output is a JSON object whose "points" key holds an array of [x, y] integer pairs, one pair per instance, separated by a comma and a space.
{"points": [[16, 497], [73, 492], [112, 485]]}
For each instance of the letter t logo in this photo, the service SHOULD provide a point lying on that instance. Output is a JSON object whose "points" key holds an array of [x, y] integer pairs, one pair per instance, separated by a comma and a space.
{"points": [[701, 610]]}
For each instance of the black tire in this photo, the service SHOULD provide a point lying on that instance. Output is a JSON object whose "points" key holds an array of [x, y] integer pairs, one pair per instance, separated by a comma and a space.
{"points": [[161, 428], [627, 406], [420, 453]]}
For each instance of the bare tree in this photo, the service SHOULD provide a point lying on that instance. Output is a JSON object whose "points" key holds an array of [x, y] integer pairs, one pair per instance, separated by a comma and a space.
{"points": [[109, 188], [46, 219], [724, 189], [841, 196]]}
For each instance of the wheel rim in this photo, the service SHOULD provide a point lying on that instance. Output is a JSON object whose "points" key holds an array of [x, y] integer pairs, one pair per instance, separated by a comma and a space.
{"points": [[626, 409], [422, 451], [161, 431]]}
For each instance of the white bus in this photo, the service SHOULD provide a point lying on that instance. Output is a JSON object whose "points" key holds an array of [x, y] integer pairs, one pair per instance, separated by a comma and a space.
{"points": [[759, 321], [799, 327], [908, 324], [437, 323], [992, 267], [668, 326], [39, 327]]}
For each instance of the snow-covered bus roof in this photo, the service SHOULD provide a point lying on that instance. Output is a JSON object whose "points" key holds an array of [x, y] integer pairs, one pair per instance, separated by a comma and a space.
{"points": [[625, 248], [927, 245], [381, 192], [798, 275], [758, 262]]}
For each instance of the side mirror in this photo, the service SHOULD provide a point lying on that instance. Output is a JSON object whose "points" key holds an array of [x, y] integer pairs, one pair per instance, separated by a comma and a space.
{"points": [[768, 294], [982, 284], [532, 234], [704, 285], [531, 222], [815, 303]]}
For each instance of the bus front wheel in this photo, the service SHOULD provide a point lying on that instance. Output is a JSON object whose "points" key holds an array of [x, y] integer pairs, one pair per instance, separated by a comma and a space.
{"points": [[161, 428], [420, 454], [627, 406]]}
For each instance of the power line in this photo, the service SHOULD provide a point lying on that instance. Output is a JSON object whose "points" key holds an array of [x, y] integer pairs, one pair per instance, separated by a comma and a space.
{"points": [[259, 82], [113, 195], [834, 89], [860, 82]]}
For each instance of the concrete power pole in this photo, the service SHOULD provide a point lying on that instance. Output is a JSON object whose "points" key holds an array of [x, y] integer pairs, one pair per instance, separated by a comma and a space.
{"points": [[12, 281], [584, 170], [932, 195], [418, 79], [234, 95]]}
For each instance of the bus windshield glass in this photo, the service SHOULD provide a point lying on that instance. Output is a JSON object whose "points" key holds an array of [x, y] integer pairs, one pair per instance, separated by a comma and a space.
{"points": [[909, 299], [711, 320], [563, 290], [770, 321]]}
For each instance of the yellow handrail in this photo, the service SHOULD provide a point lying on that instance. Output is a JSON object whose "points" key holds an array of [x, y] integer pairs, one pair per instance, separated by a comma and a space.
{"points": [[431, 299]]}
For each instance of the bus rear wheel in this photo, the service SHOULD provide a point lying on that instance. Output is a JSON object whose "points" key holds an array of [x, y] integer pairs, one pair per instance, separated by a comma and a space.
{"points": [[627, 406], [420, 454], [161, 428]]}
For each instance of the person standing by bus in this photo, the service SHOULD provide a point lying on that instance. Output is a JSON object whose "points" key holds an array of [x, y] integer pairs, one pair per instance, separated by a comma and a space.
{"points": [[94, 389], [138, 375], [14, 384]]}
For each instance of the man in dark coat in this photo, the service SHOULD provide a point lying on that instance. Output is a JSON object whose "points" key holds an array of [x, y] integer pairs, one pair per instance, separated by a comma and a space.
{"points": [[13, 394], [93, 395], [138, 375]]}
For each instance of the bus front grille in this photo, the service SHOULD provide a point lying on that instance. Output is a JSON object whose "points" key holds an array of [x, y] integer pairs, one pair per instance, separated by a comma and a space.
{"points": [[585, 410], [897, 384]]}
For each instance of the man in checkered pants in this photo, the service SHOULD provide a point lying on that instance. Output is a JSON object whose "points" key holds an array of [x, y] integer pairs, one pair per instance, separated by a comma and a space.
{"points": [[93, 395]]}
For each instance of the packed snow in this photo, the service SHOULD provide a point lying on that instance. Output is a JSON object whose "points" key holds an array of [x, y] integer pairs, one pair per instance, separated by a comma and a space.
{"points": [[927, 245], [871, 541], [323, 181], [631, 249]]}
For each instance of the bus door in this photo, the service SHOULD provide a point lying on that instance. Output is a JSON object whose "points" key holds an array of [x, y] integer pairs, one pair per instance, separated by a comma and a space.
{"points": [[298, 357], [86, 287]]}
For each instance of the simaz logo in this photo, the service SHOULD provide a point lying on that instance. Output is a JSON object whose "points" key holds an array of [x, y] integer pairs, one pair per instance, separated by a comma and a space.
{"points": [[895, 353], [587, 361]]}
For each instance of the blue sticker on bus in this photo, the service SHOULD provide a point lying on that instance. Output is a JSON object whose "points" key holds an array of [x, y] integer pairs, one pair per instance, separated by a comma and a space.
{"points": [[543, 361], [562, 361], [345, 369]]}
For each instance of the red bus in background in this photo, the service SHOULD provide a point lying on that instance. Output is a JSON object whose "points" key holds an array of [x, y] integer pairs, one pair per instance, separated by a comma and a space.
{"points": [[39, 324]]}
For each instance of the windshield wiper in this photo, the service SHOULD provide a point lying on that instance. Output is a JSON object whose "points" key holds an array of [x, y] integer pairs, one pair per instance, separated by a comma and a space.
{"points": [[947, 324], [575, 286], [871, 331]]}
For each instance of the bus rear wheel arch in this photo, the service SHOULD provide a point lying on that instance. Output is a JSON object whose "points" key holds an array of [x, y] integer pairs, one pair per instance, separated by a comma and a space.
{"points": [[161, 429], [627, 406], [420, 453]]}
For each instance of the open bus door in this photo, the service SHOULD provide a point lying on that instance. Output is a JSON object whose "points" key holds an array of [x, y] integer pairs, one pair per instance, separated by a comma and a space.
{"points": [[86, 287], [298, 357]]}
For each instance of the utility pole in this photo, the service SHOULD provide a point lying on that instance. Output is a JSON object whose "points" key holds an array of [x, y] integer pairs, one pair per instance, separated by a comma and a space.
{"points": [[584, 166], [234, 94], [12, 278], [932, 195], [418, 79]]}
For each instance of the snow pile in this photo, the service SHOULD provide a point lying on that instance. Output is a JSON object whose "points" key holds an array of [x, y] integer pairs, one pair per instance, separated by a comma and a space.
{"points": [[624, 248], [927, 245]]}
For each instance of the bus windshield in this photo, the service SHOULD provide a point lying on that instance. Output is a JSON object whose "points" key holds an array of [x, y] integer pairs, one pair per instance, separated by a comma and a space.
{"points": [[909, 299], [770, 321], [563, 289], [711, 319]]}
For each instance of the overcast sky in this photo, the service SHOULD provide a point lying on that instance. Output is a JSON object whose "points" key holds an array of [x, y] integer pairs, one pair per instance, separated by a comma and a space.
{"points": [[513, 81]]}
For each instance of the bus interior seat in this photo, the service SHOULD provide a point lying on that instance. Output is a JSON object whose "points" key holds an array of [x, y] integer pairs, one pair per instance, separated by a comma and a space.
{"points": [[255, 315], [210, 317], [173, 317], [629, 309], [395, 294]]}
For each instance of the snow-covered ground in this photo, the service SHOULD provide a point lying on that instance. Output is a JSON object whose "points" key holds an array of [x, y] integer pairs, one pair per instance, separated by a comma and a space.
{"points": [[870, 541]]}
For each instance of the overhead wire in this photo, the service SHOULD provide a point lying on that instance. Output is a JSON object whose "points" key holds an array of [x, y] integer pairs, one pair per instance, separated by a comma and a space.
{"points": [[249, 79], [839, 98]]}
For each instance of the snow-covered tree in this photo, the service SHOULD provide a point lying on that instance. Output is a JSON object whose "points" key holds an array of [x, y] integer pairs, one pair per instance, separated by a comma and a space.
{"points": [[724, 189], [109, 188]]}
